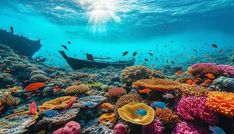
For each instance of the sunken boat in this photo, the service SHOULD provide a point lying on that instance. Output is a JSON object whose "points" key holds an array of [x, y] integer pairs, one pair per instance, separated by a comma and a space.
{"points": [[91, 63], [20, 44]]}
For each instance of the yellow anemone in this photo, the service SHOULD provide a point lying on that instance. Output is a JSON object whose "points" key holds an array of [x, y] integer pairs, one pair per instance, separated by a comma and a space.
{"points": [[137, 113]]}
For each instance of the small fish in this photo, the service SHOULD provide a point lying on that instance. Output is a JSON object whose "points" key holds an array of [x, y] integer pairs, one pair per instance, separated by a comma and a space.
{"points": [[65, 47], [156, 59], [168, 96], [190, 82], [134, 54], [68, 42], [216, 130], [146, 91], [125, 53], [207, 81], [34, 86], [214, 45], [151, 54], [180, 72], [146, 60], [173, 62], [210, 76]]}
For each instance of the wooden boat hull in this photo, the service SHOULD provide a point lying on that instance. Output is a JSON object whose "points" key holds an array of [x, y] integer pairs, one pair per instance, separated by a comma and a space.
{"points": [[19, 44], [79, 64]]}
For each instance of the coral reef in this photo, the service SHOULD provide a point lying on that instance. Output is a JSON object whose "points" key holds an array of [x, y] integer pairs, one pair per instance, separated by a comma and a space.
{"points": [[221, 102], [128, 98], [105, 107], [158, 84], [71, 127], [107, 118], [58, 103], [193, 90], [93, 127], [116, 91], [203, 68], [192, 108], [121, 129], [137, 113], [226, 70], [166, 116], [223, 84], [134, 73], [154, 128], [74, 89], [187, 128]]}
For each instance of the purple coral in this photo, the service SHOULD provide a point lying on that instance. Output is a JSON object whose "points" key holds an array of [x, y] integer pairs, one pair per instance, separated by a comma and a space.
{"points": [[188, 128], [154, 128], [120, 129], [203, 68], [71, 127], [226, 70], [192, 108]]}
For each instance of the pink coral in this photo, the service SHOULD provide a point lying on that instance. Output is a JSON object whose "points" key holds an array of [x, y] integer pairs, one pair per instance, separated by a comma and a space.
{"points": [[71, 127], [226, 70], [154, 128], [188, 128], [192, 108], [121, 129], [203, 68], [116, 91]]}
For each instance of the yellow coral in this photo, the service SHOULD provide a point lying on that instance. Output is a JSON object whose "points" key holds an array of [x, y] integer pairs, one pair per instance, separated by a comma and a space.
{"points": [[166, 115], [106, 107], [221, 102], [157, 84], [76, 89], [137, 113], [58, 103], [107, 118]]}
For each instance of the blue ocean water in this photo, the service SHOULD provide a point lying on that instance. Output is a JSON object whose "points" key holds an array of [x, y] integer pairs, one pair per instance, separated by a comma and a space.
{"points": [[176, 32]]}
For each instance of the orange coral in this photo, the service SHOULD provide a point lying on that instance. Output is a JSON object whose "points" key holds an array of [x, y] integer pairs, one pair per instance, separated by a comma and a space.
{"points": [[221, 102], [193, 90], [166, 115], [106, 107], [1, 106], [58, 103], [158, 84], [128, 98], [76, 89], [107, 118]]}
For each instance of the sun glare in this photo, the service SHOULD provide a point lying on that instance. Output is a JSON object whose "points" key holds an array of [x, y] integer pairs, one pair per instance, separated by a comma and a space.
{"points": [[100, 13]]}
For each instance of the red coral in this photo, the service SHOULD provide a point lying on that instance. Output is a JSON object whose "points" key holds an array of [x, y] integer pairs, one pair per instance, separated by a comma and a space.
{"points": [[116, 91]]}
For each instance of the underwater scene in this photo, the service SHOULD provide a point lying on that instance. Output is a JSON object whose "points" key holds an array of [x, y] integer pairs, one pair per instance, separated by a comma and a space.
{"points": [[117, 67]]}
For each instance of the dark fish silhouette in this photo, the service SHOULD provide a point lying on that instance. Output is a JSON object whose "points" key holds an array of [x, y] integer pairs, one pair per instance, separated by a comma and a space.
{"points": [[151, 54], [65, 47], [214, 45], [68, 42], [125, 53], [156, 59], [146, 60], [134, 54]]}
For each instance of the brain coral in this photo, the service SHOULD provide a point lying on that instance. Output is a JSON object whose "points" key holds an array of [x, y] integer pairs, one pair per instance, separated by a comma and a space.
{"points": [[74, 89], [116, 91], [158, 84], [203, 68], [166, 116], [134, 73], [128, 98], [221, 102], [137, 113], [192, 108]]}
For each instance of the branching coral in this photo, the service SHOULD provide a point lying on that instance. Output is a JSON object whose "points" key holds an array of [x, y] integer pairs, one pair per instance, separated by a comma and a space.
{"points": [[221, 102], [187, 128], [128, 98], [192, 108], [193, 90], [167, 116], [203, 68], [158, 84], [154, 128], [134, 73], [76, 89], [58, 103], [137, 113], [116, 91], [226, 70], [107, 118]]}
